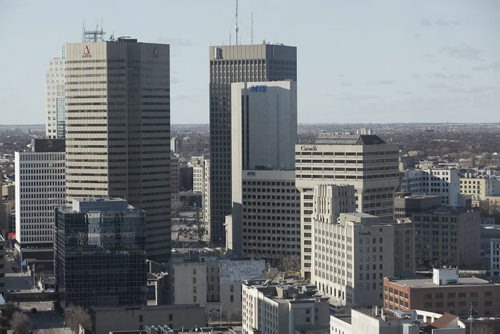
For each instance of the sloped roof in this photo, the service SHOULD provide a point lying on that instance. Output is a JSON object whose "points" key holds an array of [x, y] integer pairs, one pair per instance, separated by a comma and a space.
{"points": [[444, 321]]}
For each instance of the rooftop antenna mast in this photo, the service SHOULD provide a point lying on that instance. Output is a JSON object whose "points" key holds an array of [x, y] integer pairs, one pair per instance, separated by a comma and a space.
{"points": [[251, 28], [236, 22], [96, 35]]}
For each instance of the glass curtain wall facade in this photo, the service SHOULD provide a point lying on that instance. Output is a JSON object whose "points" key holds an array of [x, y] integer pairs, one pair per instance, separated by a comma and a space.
{"points": [[100, 256]]}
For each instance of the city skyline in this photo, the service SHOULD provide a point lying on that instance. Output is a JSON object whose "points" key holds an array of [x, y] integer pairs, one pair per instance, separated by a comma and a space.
{"points": [[428, 61]]}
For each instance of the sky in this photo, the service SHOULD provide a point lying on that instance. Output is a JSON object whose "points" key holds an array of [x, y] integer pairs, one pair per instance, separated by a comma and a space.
{"points": [[369, 61]]}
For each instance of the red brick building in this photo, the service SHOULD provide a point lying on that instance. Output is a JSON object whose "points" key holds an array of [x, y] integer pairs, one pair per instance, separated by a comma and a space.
{"points": [[453, 296]]}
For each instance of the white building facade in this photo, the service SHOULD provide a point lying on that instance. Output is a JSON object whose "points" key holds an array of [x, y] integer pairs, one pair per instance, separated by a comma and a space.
{"points": [[197, 162], [329, 202], [283, 309], [364, 161], [265, 219], [442, 182], [266, 216], [352, 257], [40, 188], [212, 282], [54, 99]]}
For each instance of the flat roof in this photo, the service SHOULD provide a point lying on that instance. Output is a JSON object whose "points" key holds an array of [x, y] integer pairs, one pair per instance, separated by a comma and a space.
{"points": [[349, 139], [428, 283]]}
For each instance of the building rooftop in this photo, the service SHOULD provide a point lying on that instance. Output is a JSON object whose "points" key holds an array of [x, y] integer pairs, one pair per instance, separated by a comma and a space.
{"points": [[358, 217], [286, 293], [421, 283], [349, 139], [412, 317], [87, 204]]}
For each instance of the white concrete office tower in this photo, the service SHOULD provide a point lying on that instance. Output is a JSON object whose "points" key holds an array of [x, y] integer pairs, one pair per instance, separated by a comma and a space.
{"points": [[443, 182], [283, 309], [228, 64], [118, 129], [352, 257], [54, 99], [266, 216], [40, 188], [265, 205], [364, 161], [329, 201], [263, 126]]}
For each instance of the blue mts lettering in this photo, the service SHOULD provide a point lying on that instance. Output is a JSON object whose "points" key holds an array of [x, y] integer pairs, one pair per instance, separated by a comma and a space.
{"points": [[258, 89]]}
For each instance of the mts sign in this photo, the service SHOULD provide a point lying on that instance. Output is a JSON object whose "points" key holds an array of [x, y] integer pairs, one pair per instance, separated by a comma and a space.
{"points": [[258, 89]]}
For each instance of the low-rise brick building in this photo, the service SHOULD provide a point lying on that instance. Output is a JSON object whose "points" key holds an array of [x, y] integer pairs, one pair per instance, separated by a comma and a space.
{"points": [[445, 292]]}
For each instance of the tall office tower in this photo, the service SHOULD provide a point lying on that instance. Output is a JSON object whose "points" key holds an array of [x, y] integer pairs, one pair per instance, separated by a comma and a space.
{"points": [[40, 188], [443, 182], [364, 161], [100, 257], [265, 218], [265, 222], [228, 64], [328, 202], [352, 257], [118, 129], [54, 99]]}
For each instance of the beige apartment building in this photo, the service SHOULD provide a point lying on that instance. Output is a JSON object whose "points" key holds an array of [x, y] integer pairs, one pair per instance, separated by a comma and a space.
{"points": [[365, 161], [480, 187], [118, 129]]}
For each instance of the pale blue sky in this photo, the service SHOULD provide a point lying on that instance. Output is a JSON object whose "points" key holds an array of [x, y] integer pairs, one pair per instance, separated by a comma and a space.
{"points": [[358, 60]]}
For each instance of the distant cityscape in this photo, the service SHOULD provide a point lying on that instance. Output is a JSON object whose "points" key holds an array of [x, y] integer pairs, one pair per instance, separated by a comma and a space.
{"points": [[114, 220]]}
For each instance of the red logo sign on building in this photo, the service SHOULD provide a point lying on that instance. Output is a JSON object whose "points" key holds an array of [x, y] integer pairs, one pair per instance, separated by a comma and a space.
{"points": [[86, 52]]}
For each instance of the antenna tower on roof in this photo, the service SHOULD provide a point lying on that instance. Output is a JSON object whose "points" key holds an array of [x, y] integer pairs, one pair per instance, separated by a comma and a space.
{"points": [[251, 28], [96, 35], [236, 22]]}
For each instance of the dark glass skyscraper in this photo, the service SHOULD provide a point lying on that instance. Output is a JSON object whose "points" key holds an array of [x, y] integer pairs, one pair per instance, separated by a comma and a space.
{"points": [[228, 64], [100, 257]]}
